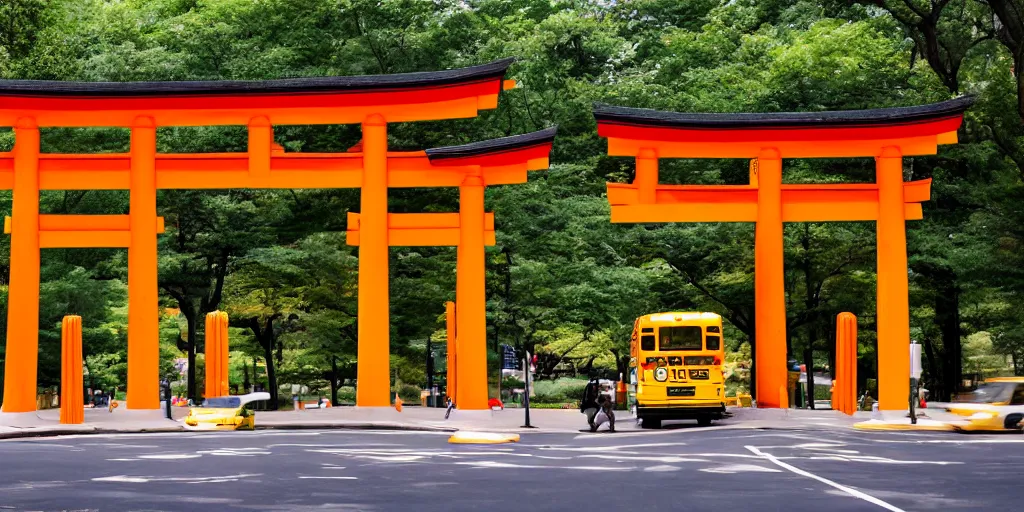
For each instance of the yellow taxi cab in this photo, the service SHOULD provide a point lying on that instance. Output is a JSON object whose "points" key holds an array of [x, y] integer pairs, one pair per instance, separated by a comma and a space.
{"points": [[997, 405], [225, 413]]}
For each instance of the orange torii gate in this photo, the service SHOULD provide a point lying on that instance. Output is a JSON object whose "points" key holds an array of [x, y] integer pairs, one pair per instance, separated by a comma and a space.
{"points": [[372, 101], [888, 135], [471, 167]]}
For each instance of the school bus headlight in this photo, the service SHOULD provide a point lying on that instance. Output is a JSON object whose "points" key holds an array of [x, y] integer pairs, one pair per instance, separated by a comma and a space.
{"points": [[661, 374]]}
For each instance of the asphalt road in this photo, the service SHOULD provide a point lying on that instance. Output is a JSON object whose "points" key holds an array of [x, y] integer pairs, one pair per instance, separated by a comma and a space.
{"points": [[687, 469]]}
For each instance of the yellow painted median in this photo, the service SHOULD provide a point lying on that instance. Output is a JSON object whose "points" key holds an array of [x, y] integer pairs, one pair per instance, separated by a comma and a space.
{"points": [[482, 438], [904, 424]]}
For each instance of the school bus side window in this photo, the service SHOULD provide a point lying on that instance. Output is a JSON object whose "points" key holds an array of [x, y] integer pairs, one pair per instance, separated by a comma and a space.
{"points": [[683, 337], [714, 342], [647, 342]]}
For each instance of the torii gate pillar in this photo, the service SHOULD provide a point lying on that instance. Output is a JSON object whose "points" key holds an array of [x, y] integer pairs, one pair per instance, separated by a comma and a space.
{"points": [[23, 289], [893, 303], [470, 295], [373, 371], [769, 285]]}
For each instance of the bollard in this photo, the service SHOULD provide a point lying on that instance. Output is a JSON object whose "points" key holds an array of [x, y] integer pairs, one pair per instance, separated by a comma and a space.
{"points": [[216, 354], [166, 385], [72, 403], [845, 379]]}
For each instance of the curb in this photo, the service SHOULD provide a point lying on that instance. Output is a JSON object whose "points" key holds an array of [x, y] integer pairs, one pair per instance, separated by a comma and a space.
{"points": [[357, 426], [27, 434], [898, 427], [38, 433]]}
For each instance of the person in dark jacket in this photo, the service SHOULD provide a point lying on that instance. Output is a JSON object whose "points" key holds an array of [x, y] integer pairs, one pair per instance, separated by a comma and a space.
{"points": [[589, 405], [605, 413]]}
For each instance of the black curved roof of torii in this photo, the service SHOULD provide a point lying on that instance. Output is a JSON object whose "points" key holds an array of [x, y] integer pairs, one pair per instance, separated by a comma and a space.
{"points": [[340, 84], [838, 118], [493, 146]]}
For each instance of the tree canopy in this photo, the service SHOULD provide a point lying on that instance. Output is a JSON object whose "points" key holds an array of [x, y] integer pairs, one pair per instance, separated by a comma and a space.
{"points": [[562, 280]]}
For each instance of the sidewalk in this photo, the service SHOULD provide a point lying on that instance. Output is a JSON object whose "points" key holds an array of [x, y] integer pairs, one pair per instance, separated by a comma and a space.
{"points": [[97, 421], [46, 422]]}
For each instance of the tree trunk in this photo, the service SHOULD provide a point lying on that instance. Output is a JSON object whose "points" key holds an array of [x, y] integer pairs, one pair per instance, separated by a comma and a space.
{"points": [[810, 309], [266, 338], [753, 367], [246, 383], [334, 380], [280, 346], [937, 384], [190, 323], [947, 315], [268, 347], [809, 364], [947, 312]]}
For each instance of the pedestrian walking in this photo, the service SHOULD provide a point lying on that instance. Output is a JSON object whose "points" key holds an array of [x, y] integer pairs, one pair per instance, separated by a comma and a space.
{"points": [[606, 413]]}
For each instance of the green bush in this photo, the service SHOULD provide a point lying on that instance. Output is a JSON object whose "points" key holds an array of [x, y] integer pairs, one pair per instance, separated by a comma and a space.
{"points": [[559, 391], [347, 395], [512, 382], [408, 393], [822, 392]]}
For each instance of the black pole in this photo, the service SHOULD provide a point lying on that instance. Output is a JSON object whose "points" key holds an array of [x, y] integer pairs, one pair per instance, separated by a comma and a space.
{"points": [[913, 400], [167, 395], [526, 386]]}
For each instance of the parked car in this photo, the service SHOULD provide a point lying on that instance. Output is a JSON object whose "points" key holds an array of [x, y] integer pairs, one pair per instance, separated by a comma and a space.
{"points": [[225, 413]]}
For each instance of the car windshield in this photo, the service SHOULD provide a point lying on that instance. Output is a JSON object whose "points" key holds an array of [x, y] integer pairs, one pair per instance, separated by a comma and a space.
{"points": [[992, 392], [223, 402]]}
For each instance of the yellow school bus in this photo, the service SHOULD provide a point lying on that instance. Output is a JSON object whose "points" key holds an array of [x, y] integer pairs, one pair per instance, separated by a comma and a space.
{"points": [[678, 359]]}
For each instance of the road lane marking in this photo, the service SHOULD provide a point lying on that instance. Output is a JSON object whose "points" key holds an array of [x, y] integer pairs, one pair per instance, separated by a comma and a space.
{"points": [[740, 468], [189, 480], [328, 478], [852, 492], [644, 458], [501, 465]]}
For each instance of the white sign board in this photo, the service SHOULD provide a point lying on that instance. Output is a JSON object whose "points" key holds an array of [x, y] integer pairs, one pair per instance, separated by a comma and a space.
{"points": [[915, 361]]}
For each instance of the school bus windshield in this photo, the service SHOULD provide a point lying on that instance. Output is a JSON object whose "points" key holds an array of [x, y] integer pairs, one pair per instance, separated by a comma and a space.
{"points": [[681, 337]]}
